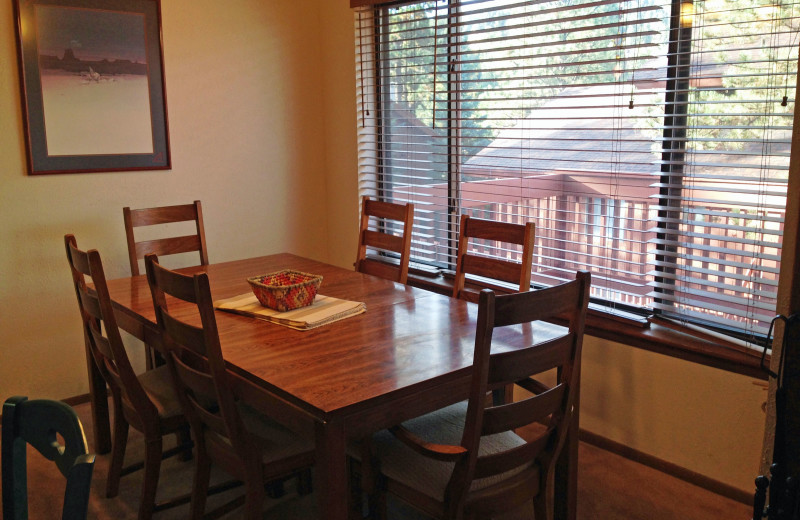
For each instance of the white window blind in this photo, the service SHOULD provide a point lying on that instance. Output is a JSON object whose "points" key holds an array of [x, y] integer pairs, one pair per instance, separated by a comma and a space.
{"points": [[647, 139]]}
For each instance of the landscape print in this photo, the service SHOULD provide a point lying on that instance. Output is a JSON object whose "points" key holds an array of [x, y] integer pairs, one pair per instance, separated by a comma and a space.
{"points": [[94, 81]]}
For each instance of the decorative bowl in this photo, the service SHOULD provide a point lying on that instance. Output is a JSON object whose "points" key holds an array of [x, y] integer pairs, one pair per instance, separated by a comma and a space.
{"points": [[285, 290]]}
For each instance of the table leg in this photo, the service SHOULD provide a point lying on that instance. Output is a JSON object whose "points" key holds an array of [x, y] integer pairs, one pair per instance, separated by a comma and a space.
{"points": [[566, 479], [332, 479], [566, 470], [98, 399]]}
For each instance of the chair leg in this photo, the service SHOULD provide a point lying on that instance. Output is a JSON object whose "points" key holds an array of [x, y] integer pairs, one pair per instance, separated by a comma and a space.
{"points": [[540, 507], [202, 474], [183, 438], [149, 364], [371, 484], [254, 500], [305, 485], [356, 495], [152, 358], [380, 506], [374, 488], [152, 468], [119, 444], [276, 489]]}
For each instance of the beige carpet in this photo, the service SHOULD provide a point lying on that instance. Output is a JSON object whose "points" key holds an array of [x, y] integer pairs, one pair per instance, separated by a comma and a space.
{"points": [[609, 488]]}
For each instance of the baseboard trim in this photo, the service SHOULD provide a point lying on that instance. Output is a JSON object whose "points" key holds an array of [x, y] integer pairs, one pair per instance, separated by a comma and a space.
{"points": [[692, 477]]}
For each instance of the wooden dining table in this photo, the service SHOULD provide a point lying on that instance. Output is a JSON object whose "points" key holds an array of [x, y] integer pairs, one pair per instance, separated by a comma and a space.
{"points": [[410, 353]]}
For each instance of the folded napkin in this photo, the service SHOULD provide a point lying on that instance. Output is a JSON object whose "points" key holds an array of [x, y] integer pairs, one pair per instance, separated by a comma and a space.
{"points": [[324, 310]]}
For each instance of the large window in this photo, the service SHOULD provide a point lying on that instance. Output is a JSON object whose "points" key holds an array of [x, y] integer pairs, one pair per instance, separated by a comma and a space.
{"points": [[647, 139]]}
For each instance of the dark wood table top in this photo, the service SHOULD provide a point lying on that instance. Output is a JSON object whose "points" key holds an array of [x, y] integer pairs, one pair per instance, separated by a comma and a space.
{"points": [[408, 341], [406, 338]]}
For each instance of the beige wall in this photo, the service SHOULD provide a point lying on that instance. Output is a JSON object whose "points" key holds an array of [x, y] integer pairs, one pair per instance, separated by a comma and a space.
{"points": [[700, 418], [262, 110], [341, 165], [244, 97]]}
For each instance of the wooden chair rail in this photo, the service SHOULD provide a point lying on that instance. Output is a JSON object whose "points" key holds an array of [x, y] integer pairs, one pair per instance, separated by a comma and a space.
{"points": [[162, 215], [383, 241], [168, 246], [490, 230], [496, 268], [390, 211]]}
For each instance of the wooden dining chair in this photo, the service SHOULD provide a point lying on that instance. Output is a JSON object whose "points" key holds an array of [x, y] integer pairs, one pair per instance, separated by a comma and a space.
{"points": [[492, 267], [379, 232], [159, 216], [250, 446], [135, 218], [54, 430], [147, 402], [466, 461]]}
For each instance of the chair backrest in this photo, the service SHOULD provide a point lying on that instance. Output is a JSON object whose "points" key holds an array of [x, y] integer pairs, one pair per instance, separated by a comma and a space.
{"points": [[102, 333], [40, 423], [382, 236], [493, 267], [550, 347], [165, 246], [195, 357]]}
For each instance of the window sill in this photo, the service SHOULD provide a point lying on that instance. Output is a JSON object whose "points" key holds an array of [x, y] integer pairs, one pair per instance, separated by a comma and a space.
{"points": [[654, 337]]}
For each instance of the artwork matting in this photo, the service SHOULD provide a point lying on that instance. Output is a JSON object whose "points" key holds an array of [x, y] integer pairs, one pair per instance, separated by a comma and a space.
{"points": [[92, 82]]}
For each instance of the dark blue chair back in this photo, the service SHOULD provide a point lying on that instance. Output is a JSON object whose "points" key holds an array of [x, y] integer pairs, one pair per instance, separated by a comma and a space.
{"points": [[53, 428]]}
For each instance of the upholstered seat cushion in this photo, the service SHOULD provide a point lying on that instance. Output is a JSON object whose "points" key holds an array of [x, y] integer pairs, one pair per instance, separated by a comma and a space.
{"points": [[158, 385], [400, 463]]}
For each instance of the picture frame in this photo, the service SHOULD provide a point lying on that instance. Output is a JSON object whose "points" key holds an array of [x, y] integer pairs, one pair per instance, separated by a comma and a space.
{"points": [[92, 85]]}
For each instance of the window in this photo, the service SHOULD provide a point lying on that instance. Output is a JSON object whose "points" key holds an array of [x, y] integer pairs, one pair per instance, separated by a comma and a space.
{"points": [[647, 139]]}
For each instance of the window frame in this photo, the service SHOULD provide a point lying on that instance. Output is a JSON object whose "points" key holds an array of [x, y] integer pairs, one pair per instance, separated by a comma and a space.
{"points": [[671, 340], [651, 335]]}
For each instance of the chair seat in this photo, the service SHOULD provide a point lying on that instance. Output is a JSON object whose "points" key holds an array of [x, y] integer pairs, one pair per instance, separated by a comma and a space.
{"points": [[159, 387], [277, 442], [446, 426]]}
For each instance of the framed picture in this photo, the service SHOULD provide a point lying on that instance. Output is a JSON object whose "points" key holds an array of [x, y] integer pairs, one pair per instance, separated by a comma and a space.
{"points": [[92, 76]]}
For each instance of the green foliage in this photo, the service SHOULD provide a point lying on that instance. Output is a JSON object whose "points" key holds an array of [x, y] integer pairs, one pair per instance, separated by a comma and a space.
{"points": [[497, 70], [746, 106]]}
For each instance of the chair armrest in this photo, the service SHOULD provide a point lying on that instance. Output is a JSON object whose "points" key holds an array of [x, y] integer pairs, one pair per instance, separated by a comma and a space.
{"points": [[441, 452]]}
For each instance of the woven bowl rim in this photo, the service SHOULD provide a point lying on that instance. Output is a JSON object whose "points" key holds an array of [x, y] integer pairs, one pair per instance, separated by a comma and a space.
{"points": [[312, 278]]}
